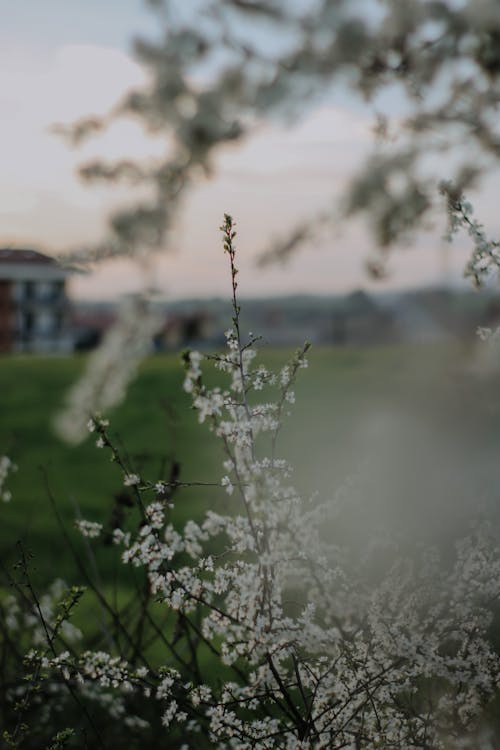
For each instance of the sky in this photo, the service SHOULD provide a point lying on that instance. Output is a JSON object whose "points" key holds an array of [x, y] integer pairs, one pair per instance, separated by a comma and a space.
{"points": [[63, 59]]}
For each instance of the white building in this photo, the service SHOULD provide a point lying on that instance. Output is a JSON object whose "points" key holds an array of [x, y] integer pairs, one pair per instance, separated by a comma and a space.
{"points": [[33, 303]]}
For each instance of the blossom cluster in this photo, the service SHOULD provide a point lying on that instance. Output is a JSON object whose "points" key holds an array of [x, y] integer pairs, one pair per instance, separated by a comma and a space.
{"points": [[20, 619], [90, 529], [484, 260], [6, 467]]}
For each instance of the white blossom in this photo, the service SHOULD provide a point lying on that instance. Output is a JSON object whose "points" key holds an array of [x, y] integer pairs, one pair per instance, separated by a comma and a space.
{"points": [[227, 484], [131, 480], [6, 467], [90, 529]]}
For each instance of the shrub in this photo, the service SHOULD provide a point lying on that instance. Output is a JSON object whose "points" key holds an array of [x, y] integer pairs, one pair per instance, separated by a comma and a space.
{"points": [[255, 628]]}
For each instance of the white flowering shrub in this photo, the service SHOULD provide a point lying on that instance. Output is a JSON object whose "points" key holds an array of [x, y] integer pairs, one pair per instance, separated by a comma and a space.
{"points": [[269, 631]]}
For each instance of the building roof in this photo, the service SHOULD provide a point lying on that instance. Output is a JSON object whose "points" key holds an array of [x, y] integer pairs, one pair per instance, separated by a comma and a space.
{"points": [[18, 255], [25, 264]]}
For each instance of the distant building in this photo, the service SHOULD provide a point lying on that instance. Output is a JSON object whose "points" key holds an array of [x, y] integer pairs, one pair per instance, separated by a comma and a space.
{"points": [[33, 303], [90, 321], [194, 329], [358, 320]]}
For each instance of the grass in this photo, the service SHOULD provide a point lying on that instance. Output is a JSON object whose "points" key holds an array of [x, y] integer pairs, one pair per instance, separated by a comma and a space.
{"points": [[154, 425], [404, 436], [352, 406]]}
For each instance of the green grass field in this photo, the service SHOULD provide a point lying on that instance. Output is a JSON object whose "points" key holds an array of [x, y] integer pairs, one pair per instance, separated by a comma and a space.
{"points": [[411, 425], [153, 425], [404, 438]]}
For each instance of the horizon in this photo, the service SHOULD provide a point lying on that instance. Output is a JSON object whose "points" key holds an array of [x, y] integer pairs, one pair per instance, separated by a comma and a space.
{"points": [[393, 292]]}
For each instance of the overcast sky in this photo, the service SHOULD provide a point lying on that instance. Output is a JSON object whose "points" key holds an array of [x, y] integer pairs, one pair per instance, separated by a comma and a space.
{"points": [[61, 59]]}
